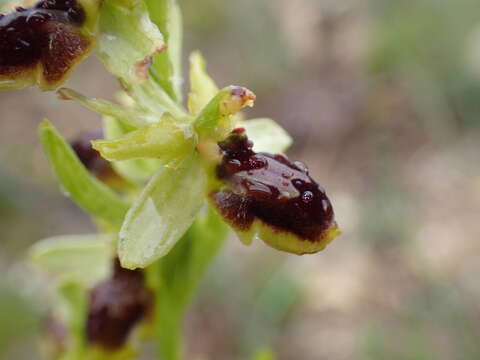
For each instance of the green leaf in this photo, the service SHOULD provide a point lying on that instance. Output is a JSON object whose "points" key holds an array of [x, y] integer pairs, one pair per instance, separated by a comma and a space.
{"points": [[168, 140], [267, 136], [128, 39], [202, 87], [88, 192], [136, 170], [82, 258], [162, 214], [215, 121], [167, 66]]}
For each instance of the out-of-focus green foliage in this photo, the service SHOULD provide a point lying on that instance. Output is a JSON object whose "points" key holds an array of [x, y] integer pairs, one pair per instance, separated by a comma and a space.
{"points": [[426, 44], [18, 318]]}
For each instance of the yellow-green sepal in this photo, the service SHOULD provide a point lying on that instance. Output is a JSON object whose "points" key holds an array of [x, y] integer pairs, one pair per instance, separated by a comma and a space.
{"points": [[168, 140]]}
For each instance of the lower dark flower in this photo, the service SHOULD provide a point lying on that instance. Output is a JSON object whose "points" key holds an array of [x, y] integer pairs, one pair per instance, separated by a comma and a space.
{"points": [[270, 197], [116, 306]]}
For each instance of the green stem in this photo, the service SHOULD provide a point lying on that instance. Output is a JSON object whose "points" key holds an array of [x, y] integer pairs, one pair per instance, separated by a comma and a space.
{"points": [[168, 330]]}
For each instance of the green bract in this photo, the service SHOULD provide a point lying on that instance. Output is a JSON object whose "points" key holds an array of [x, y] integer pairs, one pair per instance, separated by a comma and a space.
{"points": [[167, 66], [162, 214], [128, 39], [77, 183]]}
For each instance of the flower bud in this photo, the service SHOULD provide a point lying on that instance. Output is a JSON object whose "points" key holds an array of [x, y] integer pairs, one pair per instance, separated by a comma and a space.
{"points": [[116, 306], [270, 197], [93, 161]]}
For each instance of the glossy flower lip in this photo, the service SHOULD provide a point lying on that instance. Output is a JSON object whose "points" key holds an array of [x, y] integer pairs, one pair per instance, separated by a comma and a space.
{"points": [[270, 197], [42, 43]]}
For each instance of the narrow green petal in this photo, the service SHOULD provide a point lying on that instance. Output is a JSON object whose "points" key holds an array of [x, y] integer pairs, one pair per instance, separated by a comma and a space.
{"points": [[202, 87], [83, 258], [167, 66], [135, 170], [88, 192], [215, 121], [267, 136], [127, 115], [128, 40], [167, 140], [162, 214]]}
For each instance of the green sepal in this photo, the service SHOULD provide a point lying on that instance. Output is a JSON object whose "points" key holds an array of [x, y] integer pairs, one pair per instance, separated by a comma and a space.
{"points": [[82, 258], [128, 40], [135, 170], [77, 183], [267, 136], [202, 87], [162, 213], [167, 140], [215, 121]]}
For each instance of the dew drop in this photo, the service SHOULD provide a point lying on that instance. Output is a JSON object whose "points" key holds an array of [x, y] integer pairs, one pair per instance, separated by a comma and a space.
{"points": [[307, 197]]}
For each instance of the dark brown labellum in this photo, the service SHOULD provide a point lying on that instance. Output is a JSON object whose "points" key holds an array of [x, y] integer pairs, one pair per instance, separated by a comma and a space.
{"points": [[116, 306], [42, 41], [277, 193]]}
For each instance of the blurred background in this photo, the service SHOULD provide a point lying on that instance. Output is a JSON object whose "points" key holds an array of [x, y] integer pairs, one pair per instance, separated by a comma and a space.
{"points": [[382, 98]]}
